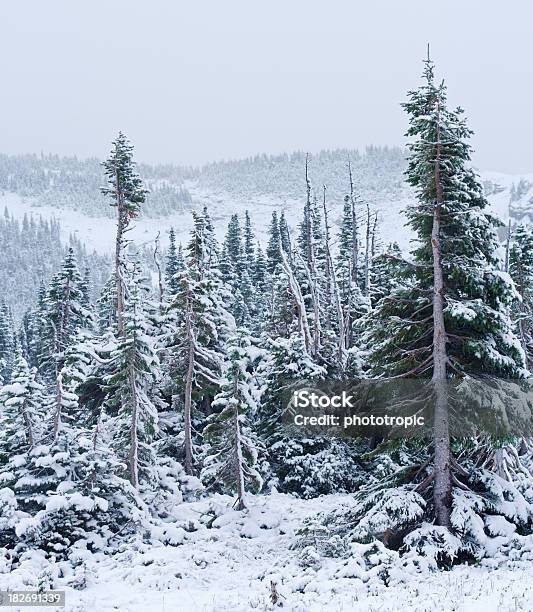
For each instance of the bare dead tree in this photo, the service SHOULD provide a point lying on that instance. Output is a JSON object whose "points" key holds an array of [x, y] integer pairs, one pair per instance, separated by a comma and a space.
{"points": [[333, 288], [508, 246], [367, 251], [159, 272], [355, 229]]}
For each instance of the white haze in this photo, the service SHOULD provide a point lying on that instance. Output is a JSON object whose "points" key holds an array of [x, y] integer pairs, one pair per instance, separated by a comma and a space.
{"points": [[191, 82]]}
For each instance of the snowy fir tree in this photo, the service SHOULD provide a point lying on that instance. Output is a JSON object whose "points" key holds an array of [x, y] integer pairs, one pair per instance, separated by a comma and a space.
{"points": [[22, 403], [130, 384], [201, 325], [174, 263], [448, 318], [127, 193], [233, 448]]}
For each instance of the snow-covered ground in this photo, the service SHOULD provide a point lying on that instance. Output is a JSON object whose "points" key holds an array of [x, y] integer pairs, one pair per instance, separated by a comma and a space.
{"points": [[230, 563]]}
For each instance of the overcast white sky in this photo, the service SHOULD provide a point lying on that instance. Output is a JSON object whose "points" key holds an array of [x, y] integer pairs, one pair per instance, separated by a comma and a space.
{"points": [[198, 80]]}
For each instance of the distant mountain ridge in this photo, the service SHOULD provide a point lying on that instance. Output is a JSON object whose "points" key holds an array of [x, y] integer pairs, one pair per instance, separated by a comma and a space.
{"points": [[68, 189], [68, 182]]}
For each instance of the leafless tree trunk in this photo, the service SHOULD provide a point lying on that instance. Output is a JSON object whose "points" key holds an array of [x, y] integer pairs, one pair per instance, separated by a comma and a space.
{"points": [[507, 246], [240, 504], [299, 303], [333, 289], [355, 229], [348, 317], [374, 234], [367, 251], [329, 267], [308, 220], [121, 226], [159, 273], [442, 489]]}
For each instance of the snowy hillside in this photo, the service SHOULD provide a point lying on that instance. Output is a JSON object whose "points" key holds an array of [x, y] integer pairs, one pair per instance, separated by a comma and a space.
{"points": [[69, 189], [507, 194], [261, 185]]}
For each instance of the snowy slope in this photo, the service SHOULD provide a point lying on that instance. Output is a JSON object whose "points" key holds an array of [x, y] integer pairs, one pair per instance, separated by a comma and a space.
{"points": [[98, 232]]}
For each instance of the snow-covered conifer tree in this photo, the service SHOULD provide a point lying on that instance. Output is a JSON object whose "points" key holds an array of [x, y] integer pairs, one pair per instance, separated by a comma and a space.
{"points": [[450, 318], [127, 193], [233, 446], [174, 263], [202, 323], [521, 271]]}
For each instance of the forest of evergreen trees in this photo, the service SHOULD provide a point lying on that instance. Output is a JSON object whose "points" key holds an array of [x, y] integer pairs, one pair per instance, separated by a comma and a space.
{"points": [[116, 408]]}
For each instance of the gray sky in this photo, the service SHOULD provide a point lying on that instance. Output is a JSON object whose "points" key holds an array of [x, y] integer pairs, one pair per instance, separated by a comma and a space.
{"points": [[191, 81]]}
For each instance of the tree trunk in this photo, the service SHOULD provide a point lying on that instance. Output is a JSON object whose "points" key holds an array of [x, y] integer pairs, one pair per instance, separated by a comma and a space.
{"points": [[118, 256], [308, 220], [442, 490], [507, 246], [187, 420], [333, 290], [59, 403], [28, 424], [60, 347], [299, 303], [239, 472], [367, 251], [133, 455], [374, 230]]}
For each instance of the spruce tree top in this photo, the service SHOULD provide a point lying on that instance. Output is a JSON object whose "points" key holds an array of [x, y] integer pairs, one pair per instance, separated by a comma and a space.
{"points": [[477, 294], [125, 186]]}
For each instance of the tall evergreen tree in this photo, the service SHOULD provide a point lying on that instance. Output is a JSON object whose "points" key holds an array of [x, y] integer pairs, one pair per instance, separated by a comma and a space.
{"points": [[127, 193], [273, 251], [21, 404], [174, 263], [201, 325], [249, 242], [451, 319]]}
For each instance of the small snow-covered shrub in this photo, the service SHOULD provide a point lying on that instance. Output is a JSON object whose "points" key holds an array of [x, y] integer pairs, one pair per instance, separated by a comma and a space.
{"points": [[312, 467], [380, 514], [309, 557], [437, 544]]}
